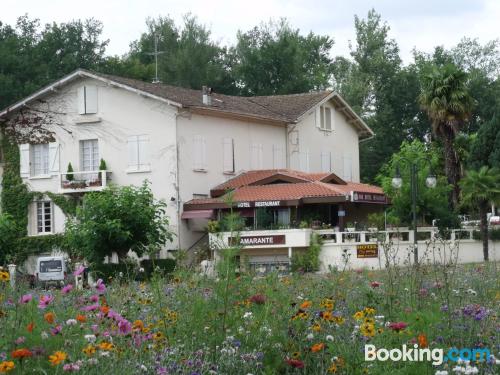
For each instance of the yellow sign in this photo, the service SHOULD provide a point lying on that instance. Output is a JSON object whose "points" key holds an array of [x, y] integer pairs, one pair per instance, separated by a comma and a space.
{"points": [[367, 251]]}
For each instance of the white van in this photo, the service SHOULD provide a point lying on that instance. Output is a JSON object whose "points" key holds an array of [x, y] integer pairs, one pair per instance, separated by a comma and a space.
{"points": [[50, 269]]}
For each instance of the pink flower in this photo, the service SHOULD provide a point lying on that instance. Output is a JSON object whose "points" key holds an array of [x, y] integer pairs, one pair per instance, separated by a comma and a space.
{"points": [[20, 340], [398, 326], [100, 287], [44, 301], [56, 330], [66, 289], [94, 298], [79, 271], [69, 367], [125, 327], [258, 299], [25, 299], [375, 284], [90, 307]]}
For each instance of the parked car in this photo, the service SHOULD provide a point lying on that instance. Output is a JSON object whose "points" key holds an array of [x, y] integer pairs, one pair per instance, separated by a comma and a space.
{"points": [[50, 270]]}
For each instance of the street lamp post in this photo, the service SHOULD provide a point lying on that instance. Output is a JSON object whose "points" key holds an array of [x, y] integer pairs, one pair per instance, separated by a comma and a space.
{"points": [[430, 182]]}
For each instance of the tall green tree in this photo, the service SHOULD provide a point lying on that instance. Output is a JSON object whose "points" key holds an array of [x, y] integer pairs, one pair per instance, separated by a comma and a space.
{"points": [[485, 147], [480, 188], [275, 59], [446, 100]]}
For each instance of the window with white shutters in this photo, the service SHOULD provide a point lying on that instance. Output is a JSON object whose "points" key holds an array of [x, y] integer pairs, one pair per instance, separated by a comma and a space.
{"points": [[325, 120], [326, 161], [39, 159], [228, 155], [199, 153], [279, 161], [44, 217], [138, 153], [89, 155], [256, 156], [87, 100]]}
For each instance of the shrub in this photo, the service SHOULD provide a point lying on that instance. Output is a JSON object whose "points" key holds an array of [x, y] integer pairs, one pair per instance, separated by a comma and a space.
{"points": [[165, 266], [308, 261]]}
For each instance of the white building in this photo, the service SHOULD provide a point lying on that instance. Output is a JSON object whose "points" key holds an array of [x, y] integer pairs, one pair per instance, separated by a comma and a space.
{"points": [[183, 141]]}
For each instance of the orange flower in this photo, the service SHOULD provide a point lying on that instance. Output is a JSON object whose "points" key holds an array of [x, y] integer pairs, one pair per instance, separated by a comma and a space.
{"points": [[138, 325], [89, 350], [6, 366], [422, 341], [106, 346], [57, 358], [49, 317], [105, 309], [21, 353], [317, 347], [306, 304], [30, 327], [81, 318]]}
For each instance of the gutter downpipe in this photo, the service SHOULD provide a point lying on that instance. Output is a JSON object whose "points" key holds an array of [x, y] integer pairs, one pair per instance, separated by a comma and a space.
{"points": [[177, 188]]}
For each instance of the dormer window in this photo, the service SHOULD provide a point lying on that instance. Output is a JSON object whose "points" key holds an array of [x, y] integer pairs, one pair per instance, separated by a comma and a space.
{"points": [[325, 118], [87, 100]]}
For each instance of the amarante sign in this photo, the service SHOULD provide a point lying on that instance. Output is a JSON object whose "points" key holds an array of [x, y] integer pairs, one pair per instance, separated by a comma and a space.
{"points": [[258, 204], [259, 240], [368, 197], [367, 251]]}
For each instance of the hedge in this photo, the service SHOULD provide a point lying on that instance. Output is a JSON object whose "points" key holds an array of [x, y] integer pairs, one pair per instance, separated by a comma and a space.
{"points": [[131, 270]]}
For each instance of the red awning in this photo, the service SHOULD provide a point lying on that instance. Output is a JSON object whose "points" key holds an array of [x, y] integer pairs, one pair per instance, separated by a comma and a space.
{"points": [[198, 214]]}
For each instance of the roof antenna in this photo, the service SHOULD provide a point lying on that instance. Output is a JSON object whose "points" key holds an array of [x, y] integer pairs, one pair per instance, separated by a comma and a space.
{"points": [[155, 54]]}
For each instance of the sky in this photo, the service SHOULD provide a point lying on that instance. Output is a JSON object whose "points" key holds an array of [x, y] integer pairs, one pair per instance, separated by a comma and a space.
{"points": [[423, 24]]}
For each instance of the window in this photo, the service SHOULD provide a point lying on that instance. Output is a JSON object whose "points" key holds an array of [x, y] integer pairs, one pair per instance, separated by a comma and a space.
{"points": [[199, 153], [279, 161], [325, 118], [256, 151], [89, 155], [40, 159], [44, 217], [87, 100], [228, 155], [326, 161], [138, 153]]}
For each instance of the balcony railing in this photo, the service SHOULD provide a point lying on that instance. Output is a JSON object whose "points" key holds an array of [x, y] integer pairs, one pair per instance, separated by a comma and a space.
{"points": [[81, 182]]}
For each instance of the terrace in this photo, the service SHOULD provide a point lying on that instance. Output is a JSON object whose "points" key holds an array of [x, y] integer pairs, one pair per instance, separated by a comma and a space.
{"points": [[83, 182]]}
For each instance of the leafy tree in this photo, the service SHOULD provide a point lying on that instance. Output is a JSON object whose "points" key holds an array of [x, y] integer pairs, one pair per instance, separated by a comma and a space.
{"points": [[480, 188], [485, 147], [118, 219], [446, 100], [432, 203], [9, 233], [275, 59]]}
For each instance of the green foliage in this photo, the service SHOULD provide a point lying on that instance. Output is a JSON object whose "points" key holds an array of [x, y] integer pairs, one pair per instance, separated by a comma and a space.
{"points": [[431, 203], [8, 236], [165, 266], [275, 59], [36, 245], [102, 165], [131, 270], [480, 186], [129, 218], [485, 148], [376, 220], [69, 173], [213, 226], [309, 260]]}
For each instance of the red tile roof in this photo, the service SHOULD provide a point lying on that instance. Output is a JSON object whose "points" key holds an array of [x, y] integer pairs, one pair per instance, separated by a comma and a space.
{"points": [[247, 187]]}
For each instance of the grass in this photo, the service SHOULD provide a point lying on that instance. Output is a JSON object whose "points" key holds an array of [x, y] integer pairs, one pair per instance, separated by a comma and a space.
{"points": [[299, 324]]}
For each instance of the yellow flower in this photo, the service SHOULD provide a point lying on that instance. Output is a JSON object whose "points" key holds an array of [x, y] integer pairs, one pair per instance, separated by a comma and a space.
{"points": [[89, 350], [359, 315], [4, 276], [328, 304], [296, 355], [369, 311], [316, 327], [367, 330], [369, 320], [106, 346], [57, 358], [339, 320], [158, 336], [333, 368], [6, 366]]}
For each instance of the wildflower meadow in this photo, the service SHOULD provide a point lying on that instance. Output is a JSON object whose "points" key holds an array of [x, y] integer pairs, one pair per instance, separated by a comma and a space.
{"points": [[186, 323]]}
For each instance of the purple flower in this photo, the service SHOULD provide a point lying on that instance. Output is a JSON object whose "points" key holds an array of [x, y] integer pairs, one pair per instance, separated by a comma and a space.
{"points": [[90, 307], [25, 299], [56, 330], [94, 298], [45, 301], [79, 271], [100, 287], [66, 289], [20, 340], [125, 327]]}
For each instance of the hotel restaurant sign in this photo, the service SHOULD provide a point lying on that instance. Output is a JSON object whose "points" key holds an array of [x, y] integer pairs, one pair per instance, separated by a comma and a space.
{"points": [[258, 204], [259, 240], [368, 197]]}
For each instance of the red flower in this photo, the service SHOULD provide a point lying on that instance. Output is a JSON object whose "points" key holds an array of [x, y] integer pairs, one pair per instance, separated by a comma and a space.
{"points": [[258, 299], [375, 284], [398, 326], [295, 363]]}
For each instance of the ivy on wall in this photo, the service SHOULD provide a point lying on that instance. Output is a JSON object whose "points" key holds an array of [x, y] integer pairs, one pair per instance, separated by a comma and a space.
{"points": [[15, 199]]}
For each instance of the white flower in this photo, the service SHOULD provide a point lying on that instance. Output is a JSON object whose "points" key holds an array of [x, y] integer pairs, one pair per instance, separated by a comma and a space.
{"points": [[329, 338], [141, 269], [310, 336], [90, 338], [472, 292], [247, 315], [44, 335], [120, 274], [144, 368], [104, 354], [71, 322], [441, 372], [458, 369], [471, 370]]}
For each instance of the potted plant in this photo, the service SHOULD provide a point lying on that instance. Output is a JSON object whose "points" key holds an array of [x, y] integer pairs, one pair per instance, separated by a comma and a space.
{"points": [[69, 177], [102, 169], [350, 227]]}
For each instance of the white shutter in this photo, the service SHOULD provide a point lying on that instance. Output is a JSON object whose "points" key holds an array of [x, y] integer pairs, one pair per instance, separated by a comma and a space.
{"points": [[317, 117], [90, 99], [326, 161], [24, 154], [256, 156], [328, 118], [133, 154], [278, 157], [347, 175], [143, 152], [81, 100], [54, 158], [228, 155], [304, 161]]}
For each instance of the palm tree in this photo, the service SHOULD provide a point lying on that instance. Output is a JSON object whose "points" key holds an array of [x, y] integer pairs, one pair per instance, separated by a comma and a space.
{"points": [[446, 100], [480, 189]]}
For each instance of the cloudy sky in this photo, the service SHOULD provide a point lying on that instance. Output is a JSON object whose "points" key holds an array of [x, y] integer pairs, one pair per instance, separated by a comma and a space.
{"points": [[422, 24]]}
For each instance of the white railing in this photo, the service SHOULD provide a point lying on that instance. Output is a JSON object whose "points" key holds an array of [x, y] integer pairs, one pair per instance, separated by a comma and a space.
{"points": [[78, 182]]}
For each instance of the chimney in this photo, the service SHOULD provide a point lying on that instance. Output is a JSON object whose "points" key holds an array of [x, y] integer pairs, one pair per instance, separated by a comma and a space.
{"points": [[207, 95]]}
